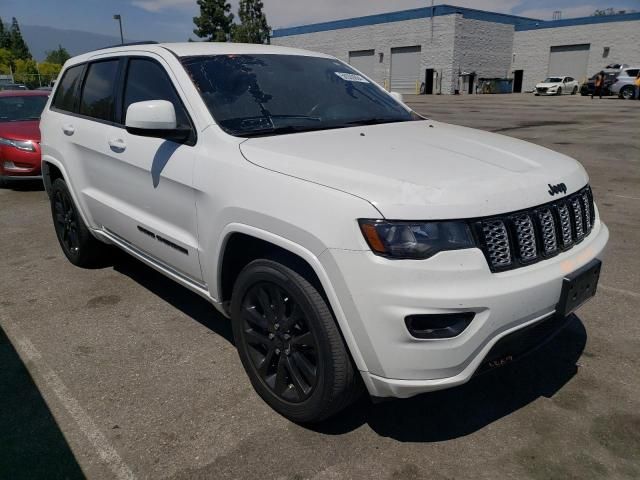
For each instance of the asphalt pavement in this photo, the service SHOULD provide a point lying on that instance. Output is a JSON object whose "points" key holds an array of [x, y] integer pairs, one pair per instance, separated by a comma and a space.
{"points": [[119, 373]]}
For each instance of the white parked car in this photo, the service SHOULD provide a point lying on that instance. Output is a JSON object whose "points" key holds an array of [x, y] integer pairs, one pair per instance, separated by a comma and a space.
{"points": [[352, 242], [557, 86]]}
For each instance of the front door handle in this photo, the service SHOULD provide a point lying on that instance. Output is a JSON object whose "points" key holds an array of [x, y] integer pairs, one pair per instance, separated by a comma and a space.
{"points": [[68, 129], [117, 145]]}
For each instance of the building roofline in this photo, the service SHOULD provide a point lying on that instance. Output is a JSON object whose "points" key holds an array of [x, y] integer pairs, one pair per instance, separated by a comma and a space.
{"points": [[572, 22], [520, 23], [403, 15]]}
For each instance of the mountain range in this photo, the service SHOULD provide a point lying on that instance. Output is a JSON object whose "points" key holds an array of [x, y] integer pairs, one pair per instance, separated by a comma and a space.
{"points": [[42, 39]]}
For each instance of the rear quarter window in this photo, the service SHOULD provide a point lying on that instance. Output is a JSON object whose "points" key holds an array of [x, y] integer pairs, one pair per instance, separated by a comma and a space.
{"points": [[66, 97], [633, 72]]}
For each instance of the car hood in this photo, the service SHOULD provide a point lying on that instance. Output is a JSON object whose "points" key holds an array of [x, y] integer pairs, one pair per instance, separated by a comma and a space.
{"points": [[423, 169], [547, 85], [27, 130]]}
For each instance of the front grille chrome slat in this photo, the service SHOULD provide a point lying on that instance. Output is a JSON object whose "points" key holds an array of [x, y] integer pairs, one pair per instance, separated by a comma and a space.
{"points": [[586, 203], [576, 205], [526, 237], [565, 225], [497, 241], [548, 229], [514, 240]]}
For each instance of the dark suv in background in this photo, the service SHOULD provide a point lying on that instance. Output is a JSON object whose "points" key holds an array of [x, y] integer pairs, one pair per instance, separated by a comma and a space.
{"points": [[589, 87]]}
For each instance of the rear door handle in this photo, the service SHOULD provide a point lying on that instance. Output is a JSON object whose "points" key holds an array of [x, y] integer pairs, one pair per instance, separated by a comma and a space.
{"points": [[68, 129], [117, 145]]}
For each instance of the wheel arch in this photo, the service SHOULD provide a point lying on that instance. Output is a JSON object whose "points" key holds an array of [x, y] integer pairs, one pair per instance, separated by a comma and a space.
{"points": [[53, 169], [242, 244]]}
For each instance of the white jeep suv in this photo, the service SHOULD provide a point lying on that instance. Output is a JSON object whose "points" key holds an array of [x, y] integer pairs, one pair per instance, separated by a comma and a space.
{"points": [[353, 243]]}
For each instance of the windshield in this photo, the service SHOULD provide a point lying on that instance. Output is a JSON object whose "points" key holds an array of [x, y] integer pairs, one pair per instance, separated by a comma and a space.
{"points": [[553, 80], [251, 95], [18, 109]]}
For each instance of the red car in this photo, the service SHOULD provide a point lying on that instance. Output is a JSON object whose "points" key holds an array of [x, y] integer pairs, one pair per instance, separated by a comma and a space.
{"points": [[20, 134]]}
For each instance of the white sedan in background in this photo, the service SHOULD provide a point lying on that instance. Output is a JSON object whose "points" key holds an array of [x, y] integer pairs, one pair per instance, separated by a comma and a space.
{"points": [[557, 86]]}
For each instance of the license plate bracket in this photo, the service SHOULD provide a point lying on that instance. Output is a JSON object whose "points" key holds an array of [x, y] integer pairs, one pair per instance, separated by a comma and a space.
{"points": [[579, 287]]}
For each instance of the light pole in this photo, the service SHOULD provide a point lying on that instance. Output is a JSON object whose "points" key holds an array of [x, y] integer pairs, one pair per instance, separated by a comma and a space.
{"points": [[119, 18]]}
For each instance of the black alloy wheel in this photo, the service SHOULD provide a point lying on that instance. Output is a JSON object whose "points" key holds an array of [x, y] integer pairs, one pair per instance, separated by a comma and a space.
{"points": [[65, 217], [289, 342], [78, 244], [282, 348]]}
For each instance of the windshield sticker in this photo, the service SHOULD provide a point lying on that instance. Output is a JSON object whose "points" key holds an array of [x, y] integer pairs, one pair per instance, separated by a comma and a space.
{"points": [[351, 77]]}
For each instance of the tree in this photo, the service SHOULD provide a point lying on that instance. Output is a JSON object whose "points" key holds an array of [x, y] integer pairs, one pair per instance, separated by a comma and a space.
{"points": [[17, 46], [215, 21], [253, 26], [5, 61], [610, 11], [48, 72], [59, 55], [4, 36], [26, 71]]}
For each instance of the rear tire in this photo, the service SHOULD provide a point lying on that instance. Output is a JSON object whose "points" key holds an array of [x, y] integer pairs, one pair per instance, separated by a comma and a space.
{"points": [[575, 90], [77, 243], [3, 183], [627, 92], [290, 345]]}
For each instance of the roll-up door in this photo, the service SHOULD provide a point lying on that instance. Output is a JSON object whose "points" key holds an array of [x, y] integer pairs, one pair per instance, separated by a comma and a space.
{"points": [[363, 60], [569, 60], [405, 69]]}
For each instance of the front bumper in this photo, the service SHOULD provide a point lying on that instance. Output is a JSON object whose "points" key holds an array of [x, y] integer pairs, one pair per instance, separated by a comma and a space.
{"points": [[17, 164], [377, 294]]}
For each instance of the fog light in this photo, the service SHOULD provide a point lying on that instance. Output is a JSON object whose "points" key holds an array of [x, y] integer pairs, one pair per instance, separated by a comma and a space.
{"points": [[441, 325]]}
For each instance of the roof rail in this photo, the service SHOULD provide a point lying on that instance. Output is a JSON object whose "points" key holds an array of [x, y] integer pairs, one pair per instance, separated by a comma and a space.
{"points": [[145, 42]]}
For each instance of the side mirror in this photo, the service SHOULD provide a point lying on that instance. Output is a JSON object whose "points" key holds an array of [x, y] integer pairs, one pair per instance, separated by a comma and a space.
{"points": [[397, 96], [155, 118]]}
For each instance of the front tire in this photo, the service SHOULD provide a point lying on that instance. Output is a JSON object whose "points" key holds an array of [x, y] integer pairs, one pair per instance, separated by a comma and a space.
{"points": [[79, 246], [559, 91], [289, 343]]}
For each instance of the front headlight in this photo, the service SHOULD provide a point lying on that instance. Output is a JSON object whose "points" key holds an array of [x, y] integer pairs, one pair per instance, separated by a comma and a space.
{"points": [[415, 240], [24, 145]]}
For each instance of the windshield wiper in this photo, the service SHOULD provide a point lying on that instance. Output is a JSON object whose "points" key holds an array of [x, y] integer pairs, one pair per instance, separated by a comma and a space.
{"points": [[285, 129], [274, 131], [373, 121]]}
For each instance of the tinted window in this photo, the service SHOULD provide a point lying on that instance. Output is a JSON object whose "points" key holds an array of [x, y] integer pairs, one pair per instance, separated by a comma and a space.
{"points": [[633, 72], [67, 93], [278, 94], [18, 109], [97, 94], [146, 80]]}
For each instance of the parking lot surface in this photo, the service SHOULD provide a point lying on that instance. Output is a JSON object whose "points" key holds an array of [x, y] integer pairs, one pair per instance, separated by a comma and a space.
{"points": [[120, 373]]}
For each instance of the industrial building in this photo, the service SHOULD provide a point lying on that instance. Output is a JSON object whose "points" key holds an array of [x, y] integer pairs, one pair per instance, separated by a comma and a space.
{"points": [[447, 49]]}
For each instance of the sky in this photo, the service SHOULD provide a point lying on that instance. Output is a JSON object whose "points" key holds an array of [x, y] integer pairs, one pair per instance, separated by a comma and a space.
{"points": [[171, 20]]}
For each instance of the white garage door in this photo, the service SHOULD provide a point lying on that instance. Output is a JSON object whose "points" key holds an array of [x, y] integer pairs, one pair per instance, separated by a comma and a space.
{"points": [[405, 69], [363, 60], [569, 60]]}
